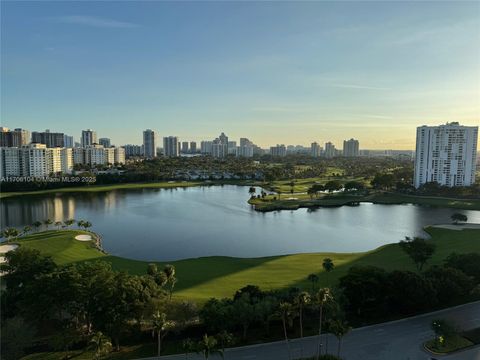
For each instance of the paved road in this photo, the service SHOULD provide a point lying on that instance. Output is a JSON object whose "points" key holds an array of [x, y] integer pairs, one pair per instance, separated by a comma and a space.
{"points": [[397, 340]]}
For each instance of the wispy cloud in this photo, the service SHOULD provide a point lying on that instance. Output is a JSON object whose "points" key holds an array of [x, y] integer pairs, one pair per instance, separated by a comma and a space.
{"points": [[94, 21], [361, 87]]}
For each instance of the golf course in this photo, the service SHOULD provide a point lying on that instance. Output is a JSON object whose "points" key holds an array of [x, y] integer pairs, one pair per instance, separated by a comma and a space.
{"points": [[202, 278]]}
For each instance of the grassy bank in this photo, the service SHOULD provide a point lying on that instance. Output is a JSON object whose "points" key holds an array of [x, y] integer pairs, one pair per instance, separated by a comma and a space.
{"points": [[296, 201], [217, 276]]}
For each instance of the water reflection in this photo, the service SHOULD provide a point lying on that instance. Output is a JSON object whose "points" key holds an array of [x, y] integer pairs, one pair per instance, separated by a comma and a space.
{"points": [[167, 224]]}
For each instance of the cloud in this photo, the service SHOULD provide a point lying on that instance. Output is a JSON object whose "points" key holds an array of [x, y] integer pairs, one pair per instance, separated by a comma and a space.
{"points": [[94, 21], [361, 87]]}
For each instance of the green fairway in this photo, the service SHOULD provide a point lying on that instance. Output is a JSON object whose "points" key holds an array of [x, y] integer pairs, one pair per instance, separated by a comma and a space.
{"points": [[203, 278]]}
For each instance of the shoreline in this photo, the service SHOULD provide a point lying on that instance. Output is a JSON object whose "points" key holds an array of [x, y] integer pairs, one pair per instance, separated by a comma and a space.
{"points": [[261, 205]]}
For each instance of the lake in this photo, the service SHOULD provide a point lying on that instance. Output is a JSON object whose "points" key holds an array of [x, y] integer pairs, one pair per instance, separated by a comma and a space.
{"points": [[171, 224]]}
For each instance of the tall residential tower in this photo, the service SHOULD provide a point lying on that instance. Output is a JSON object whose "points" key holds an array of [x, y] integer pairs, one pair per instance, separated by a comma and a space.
{"points": [[446, 154]]}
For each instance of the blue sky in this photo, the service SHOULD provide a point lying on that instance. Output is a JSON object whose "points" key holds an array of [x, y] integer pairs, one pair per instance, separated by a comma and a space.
{"points": [[274, 72]]}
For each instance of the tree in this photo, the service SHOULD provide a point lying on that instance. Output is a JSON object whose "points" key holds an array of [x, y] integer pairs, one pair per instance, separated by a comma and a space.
{"points": [[314, 280], [100, 344], [242, 312], [339, 328], [169, 272], [37, 225], [321, 298], [86, 224], [26, 229], [443, 330], [328, 266], [69, 222], [10, 233], [458, 217], [354, 185], [452, 286], [251, 190], [419, 250], [208, 346], [285, 313], [301, 300], [468, 263], [188, 346], [58, 224], [160, 326], [333, 185], [16, 336], [47, 223], [225, 339]]}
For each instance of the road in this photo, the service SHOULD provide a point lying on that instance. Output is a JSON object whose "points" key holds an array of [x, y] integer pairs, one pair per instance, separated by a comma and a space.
{"points": [[396, 340]]}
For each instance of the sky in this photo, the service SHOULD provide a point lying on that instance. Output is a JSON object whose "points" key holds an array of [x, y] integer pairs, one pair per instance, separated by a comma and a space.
{"points": [[275, 72]]}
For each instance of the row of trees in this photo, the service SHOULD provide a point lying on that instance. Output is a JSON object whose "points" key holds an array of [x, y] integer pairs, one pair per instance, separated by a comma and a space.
{"points": [[12, 233]]}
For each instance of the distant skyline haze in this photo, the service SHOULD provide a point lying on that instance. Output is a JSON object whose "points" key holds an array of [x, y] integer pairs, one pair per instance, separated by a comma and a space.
{"points": [[274, 72]]}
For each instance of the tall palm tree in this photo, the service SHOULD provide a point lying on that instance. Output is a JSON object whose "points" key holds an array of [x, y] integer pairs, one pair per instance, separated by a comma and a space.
{"points": [[208, 346], [285, 312], [313, 279], [160, 326], [301, 300], [339, 328], [37, 225], [100, 344], [48, 222], [87, 224], [328, 266], [58, 224], [321, 298]]}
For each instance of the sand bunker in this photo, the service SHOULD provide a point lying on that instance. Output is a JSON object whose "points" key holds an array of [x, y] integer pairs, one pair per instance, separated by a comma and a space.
{"points": [[83, 238]]}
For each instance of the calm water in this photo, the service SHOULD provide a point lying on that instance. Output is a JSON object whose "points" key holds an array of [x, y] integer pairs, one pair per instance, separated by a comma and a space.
{"points": [[184, 223]]}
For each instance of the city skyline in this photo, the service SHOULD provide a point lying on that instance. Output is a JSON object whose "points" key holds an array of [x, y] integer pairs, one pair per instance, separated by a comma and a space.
{"points": [[298, 73]]}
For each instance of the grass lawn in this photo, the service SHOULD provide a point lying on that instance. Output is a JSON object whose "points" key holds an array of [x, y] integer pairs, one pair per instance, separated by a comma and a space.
{"points": [[451, 344], [339, 199], [216, 276]]}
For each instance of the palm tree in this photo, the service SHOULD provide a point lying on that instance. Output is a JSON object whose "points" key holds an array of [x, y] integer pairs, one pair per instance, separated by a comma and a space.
{"points": [[100, 344], [301, 300], [48, 222], [225, 339], [285, 312], [169, 271], [313, 279], [80, 223], [321, 297], [339, 328], [37, 224], [86, 224], [328, 266], [58, 224], [208, 346], [188, 346], [69, 222], [10, 233], [26, 229], [161, 326]]}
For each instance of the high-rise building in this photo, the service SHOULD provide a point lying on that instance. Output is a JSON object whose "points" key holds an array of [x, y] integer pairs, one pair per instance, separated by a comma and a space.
{"points": [[68, 141], [232, 147], [149, 144], [193, 147], [219, 148], [170, 146], [15, 138], [315, 149], [133, 150], [10, 161], [206, 147], [95, 155], [351, 148], [105, 142], [330, 150], [245, 149], [119, 155], [185, 147], [446, 154], [278, 150], [89, 137], [51, 139]]}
